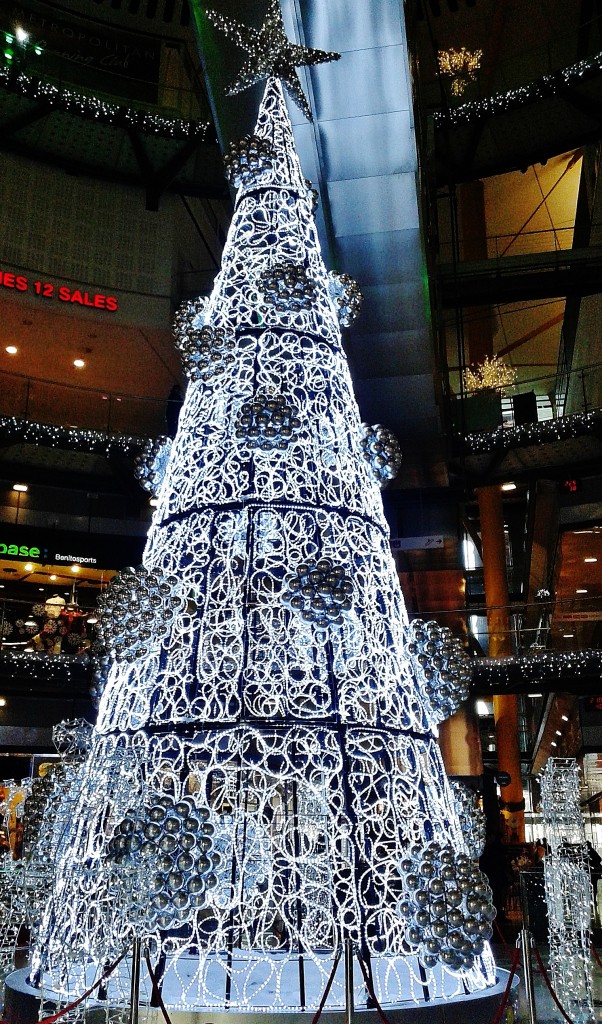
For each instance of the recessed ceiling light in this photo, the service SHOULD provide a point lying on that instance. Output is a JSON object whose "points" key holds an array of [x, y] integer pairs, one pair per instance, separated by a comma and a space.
{"points": [[53, 577], [553, 743], [565, 718], [590, 559], [11, 349], [75, 568], [568, 636], [2, 702], [581, 590], [21, 487], [510, 486], [40, 588], [28, 567], [534, 695], [559, 732], [80, 363]]}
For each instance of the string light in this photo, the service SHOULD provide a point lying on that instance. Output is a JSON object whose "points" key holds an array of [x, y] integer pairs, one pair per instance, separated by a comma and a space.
{"points": [[91, 107], [494, 675], [13, 429], [534, 433], [461, 66], [503, 102], [490, 374], [568, 888]]}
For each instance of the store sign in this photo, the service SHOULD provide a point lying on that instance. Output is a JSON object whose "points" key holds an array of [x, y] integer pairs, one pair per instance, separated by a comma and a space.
{"points": [[53, 547], [61, 293]]}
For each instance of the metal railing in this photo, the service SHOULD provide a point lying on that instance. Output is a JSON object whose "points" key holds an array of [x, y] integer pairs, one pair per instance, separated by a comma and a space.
{"points": [[44, 401], [550, 397]]}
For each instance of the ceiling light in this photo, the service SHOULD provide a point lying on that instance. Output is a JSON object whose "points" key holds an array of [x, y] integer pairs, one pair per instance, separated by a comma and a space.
{"points": [[21, 487], [53, 577], [80, 363], [581, 590], [11, 349], [509, 486], [28, 567], [577, 532], [30, 622], [41, 588], [559, 732], [534, 695], [482, 709], [21, 34], [75, 568], [568, 636], [565, 718], [2, 702], [590, 559], [92, 620], [553, 743]]}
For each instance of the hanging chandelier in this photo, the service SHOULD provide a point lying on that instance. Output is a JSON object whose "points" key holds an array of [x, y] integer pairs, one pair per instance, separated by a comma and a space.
{"points": [[461, 66]]}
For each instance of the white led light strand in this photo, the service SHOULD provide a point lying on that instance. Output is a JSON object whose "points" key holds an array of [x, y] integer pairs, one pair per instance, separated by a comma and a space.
{"points": [[282, 701], [568, 888]]}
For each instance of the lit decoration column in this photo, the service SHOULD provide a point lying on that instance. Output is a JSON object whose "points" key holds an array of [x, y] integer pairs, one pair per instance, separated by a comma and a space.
{"points": [[505, 706], [264, 780], [569, 895]]}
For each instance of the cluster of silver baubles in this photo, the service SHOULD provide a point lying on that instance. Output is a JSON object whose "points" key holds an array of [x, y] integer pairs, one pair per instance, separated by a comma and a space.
{"points": [[136, 612], [288, 287], [347, 296], [320, 592], [441, 665], [205, 351], [381, 449], [150, 465], [471, 818], [38, 809], [447, 905], [313, 195], [169, 845], [247, 160], [267, 422]]}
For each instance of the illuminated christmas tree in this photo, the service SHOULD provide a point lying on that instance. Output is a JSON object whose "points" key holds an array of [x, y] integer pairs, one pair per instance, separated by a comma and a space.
{"points": [[264, 780]]}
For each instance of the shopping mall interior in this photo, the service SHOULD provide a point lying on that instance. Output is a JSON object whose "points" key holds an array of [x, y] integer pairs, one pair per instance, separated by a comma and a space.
{"points": [[461, 194]]}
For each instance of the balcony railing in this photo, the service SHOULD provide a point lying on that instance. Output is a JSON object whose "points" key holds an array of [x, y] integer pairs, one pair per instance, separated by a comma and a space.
{"points": [[533, 401], [43, 401]]}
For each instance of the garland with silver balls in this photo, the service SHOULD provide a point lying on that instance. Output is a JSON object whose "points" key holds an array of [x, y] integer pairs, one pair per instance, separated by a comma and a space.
{"points": [[381, 449], [347, 296], [135, 612], [471, 818], [320, 592], [247, 160], [442, 666], [268, 422], [447, 904], [288, 287], [151, 465], [313, 194], [187, 314], [171, 844], [205, 351]]}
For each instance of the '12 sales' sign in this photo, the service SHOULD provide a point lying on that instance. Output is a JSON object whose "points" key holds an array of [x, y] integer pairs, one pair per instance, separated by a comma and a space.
{"points": [[47, 290]]}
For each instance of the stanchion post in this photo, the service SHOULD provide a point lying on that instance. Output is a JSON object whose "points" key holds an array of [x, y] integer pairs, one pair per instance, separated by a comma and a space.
{"points": [[348, 981], [525, 946], [135, 983]]}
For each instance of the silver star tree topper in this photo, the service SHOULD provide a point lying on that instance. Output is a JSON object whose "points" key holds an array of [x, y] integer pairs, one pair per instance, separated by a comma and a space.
{"points": [[271, 54]]}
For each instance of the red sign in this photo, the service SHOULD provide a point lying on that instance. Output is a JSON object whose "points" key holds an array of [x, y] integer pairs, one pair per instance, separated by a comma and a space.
{"points": [[62, 293]]}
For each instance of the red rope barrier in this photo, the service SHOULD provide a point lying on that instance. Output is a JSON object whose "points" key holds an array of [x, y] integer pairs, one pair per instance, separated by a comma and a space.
{"points": [[318, 1012], [156, 989], [71, 1006], [506, 995], [596, 957], [545, 977], [370, 987], [505, 942]]}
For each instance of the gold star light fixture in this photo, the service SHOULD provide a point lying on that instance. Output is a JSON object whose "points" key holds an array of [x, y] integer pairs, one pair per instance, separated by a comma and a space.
{"points": [[271, 54]]}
